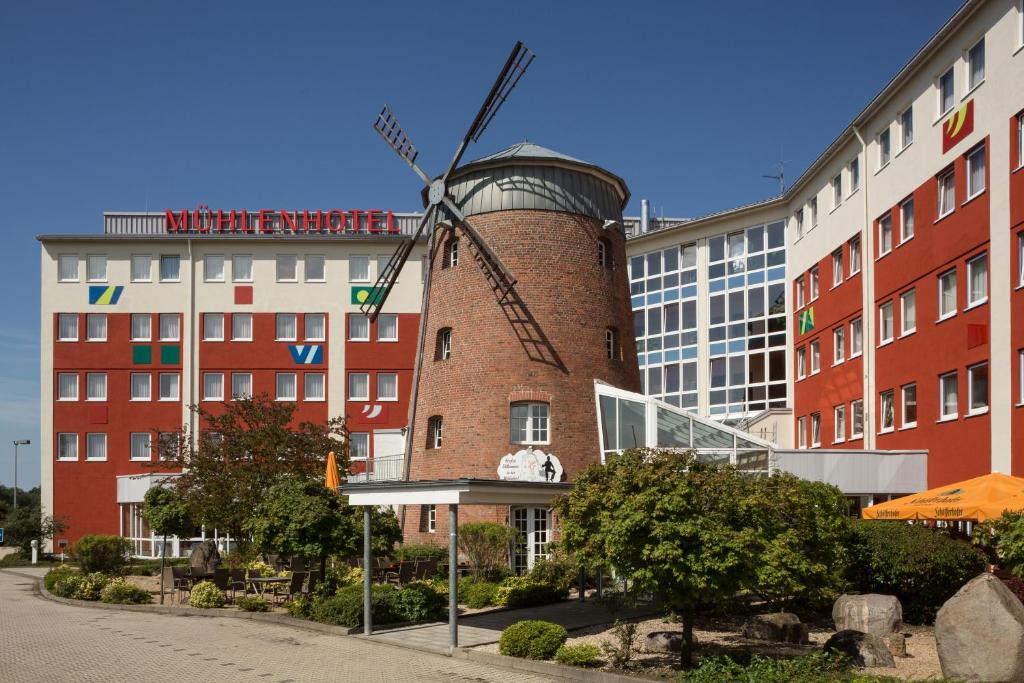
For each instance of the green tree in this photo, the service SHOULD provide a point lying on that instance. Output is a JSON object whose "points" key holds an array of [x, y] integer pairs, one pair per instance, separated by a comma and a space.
{"points": [[26, 524], [168, 515], [243, 449], [486, 546], [1003, 539], [301, 517], [695, 533]]}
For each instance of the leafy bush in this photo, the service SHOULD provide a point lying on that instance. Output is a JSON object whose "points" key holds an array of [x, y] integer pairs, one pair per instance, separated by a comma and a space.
{"points": [[421, 551], [346, 607], [522, 591], [206, 595], [1003, 539], [578, 655], [262, 567], [252, 603], [485, 545], [621, 649], [418, 601], [56, 574], [817, 667], [558, 571], [151, 567], [300, 607], [337, 578], [440, 585], [80, 586], [532, 639], [121, 592], [97, 553], [923, 567], [475, 594]]}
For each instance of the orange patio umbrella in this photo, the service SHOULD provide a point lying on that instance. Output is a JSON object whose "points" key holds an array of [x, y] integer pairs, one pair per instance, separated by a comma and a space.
{"points": [[979, 499], [331, 478]]}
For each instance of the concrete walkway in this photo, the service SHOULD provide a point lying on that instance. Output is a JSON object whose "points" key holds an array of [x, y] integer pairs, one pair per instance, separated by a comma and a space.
{"points": [[481, 629]]}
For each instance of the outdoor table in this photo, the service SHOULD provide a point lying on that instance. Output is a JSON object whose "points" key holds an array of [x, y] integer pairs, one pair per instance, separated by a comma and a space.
{"points": [[196, 577], [259, 585]]}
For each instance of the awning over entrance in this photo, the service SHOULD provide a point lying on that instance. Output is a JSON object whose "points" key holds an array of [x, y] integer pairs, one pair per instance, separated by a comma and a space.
{"points": [[450, 492], [979, 499]]}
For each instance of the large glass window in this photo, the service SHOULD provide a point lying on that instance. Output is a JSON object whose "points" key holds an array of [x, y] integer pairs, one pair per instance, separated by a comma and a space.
{"points": [[358, 327], [946, 94], [142, 327], [976, 172], [909, 407], [286, 386], [528, 423], [142, 268], [241, 326], [886, 414], [213, 268], [976, 65], [96, 268], [313, 386], [906, 220], [170, 327], [241, 385], [387, 386], [315, 268], [315, 326], [287, 268], [286, 327], [170, 268], [977, 280], [96, 327], [947, 294], [947, 193], [67, 268], [67, 327], [908, 312], [140, 386], [885, 323], [358, 386], [977, 389], [885, 234], [948, 396], [387, 327], [67, 386], [213, 327], [241, 268]]}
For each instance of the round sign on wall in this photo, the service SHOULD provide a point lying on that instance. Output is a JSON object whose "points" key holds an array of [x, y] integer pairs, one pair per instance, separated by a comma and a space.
{"points": [[530, 464]]}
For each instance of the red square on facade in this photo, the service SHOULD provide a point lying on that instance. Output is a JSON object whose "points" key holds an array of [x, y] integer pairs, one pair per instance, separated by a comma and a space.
{"points": [[98, 415], [977, 335], [243, 294]]}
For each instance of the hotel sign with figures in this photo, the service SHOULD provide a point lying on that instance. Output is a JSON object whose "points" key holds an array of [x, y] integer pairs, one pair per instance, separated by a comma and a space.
{"points": [[530, 464]]}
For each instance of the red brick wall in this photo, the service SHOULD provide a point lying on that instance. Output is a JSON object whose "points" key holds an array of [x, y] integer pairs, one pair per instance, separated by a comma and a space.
{"points": [[1016, 298]]}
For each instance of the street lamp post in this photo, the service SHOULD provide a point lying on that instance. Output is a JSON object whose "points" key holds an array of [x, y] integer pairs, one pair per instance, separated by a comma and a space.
{"points": [[17, 442]]}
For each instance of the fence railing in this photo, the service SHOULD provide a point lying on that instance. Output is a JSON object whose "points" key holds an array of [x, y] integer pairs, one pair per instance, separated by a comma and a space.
{"points": [[380, 468]]}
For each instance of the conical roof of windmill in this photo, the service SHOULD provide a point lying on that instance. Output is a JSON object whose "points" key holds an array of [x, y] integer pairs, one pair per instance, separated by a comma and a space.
{"points": [[535, 177]]}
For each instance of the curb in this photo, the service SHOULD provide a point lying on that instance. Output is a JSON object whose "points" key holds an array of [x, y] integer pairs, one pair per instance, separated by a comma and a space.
{"points": [[573, 673]]}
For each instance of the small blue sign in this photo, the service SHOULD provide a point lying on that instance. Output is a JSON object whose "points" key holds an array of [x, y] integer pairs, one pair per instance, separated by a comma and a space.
{"points": [[307, 354], [1, 535]]}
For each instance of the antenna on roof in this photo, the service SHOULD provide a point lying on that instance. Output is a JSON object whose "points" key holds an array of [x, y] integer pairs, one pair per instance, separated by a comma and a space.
{"points": [[781, 176]]}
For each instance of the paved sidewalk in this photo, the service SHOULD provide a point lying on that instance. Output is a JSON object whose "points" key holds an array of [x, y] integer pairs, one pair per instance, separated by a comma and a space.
{"points": [[486, 628], [44, 641]]}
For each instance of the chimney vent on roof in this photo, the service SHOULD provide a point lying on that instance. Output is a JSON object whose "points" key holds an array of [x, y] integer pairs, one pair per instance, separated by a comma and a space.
{"points": [[645, 216]]}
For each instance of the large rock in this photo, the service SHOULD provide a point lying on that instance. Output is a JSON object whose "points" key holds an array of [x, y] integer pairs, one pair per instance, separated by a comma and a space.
{"points": [[863, 649], [870, 613], [979, 633], [664, 641], [781, 627], [205, 556]]}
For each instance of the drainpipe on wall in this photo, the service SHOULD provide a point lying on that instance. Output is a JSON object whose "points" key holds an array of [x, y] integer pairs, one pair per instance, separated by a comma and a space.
{"points": [[192, 374], [867, 289]]}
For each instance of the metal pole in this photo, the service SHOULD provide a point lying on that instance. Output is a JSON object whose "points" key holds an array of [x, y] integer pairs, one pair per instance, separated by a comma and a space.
{"points": [[453, 577], [367, 574], [17, 442]]}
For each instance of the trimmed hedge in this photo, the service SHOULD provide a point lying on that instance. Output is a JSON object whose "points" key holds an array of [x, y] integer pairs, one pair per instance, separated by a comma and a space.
{"points": [[417, 601], [98, 553], [579, 655], [80, 586], [252, 603], [56, 574], [421, 551], [532, 639], [921, 566], [120, 592], [477, 594], [523, 591], [205, 595]]}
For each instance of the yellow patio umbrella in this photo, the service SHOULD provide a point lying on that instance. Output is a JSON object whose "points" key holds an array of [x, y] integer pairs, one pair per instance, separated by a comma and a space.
{"points": [[331, 479], [979, 499]]}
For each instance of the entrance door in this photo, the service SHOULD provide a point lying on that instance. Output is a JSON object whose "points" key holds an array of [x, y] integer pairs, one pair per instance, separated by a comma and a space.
{"points": [[534, 527]]}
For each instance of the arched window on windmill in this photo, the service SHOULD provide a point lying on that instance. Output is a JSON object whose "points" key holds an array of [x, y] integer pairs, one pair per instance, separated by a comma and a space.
{"points": [[611, 343], [435, 429], [443, 351], [451, 252], [604, 253]]}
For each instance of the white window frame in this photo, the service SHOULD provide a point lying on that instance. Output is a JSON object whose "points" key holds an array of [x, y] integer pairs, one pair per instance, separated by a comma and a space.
{"points": [[99, 437], [856, 337], [435, 432], [60, 397], [306, 318], [61, 437], [801, 362], [207, 317], [904, 212], [837, 191], [855, 256], [969, 58], [236, 260], [364, 439], [160, 266], [943, 110], [882, 395], [854, 168], [352, 317], [241, 316], [364, 396], [1020, 259], [1020, 384], [67, 316], [801, 427], [815, 288], [279, 396], [839, 424], [63, 258], [538, 422], [380, 327], [971, 410], [837, 267], [943, 192], [431, 519], [904, 423], [149, 327], [815, 430], [859, 403], [88, 388], [209, 259], [611, 343], [307, 395], [798, 221], [95, 316], [815, 353], [884, 147], [972, 263], [358, 258], [101, 260], [160, 322], [905, 139], [149, 387], [133, 438], [838, 345], [1020, 136], [323, 267], [278, 318], [882, 309], [281, 259], [884, 228], [813, 204], [445, 343], [909, 295], [176, 385], [943, 379], [209, 395], [800, 295], [138, 259], [975, 156], [939, 280], [380, 396], [237, 395]]}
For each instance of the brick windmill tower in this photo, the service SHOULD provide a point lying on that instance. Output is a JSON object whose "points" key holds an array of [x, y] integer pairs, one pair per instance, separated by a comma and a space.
{"points": [[526, 305]]}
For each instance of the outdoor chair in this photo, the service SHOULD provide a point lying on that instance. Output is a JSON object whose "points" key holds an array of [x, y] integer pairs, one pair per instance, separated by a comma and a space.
{"points": [[425, 569], [406, 572], [222, 580], [314, 579], [298, 564], [298, 578], [237, 576], [181, 582]]}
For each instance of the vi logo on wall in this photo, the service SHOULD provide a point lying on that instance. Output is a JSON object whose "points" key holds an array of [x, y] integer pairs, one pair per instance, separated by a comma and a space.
{"points": [[307, 354]]}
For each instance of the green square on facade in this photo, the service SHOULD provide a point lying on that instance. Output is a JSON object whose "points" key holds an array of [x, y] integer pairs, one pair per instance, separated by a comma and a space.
{"points": [[142, 355], [170, 355]]}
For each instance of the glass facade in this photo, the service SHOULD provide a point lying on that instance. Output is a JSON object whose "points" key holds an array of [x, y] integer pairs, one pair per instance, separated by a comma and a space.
{"points": [[741, 276]]}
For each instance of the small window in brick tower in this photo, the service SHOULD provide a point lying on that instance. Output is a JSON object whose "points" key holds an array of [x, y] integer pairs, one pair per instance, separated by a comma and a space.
{"points": [[451, 253], [611, 343], [604, 253], [435, 428], [528, 423], [444, 344]]}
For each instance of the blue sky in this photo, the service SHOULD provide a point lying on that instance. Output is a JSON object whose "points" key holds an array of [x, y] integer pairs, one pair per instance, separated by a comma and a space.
{"points": [[127, 105]]}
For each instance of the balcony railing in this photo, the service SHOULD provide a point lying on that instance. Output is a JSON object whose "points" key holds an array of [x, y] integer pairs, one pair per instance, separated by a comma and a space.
{"points": [[380, 468]]}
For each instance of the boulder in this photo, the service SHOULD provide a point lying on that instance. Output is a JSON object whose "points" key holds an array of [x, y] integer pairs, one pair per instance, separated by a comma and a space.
{"points": [[205, 556], [664, 641], [897, 644], [979, 633], [863, 649], [781, 627], [870, 613]]}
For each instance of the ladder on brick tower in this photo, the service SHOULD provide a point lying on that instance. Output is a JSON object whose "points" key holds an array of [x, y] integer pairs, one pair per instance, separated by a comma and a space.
{"points": [[496, 274]]}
